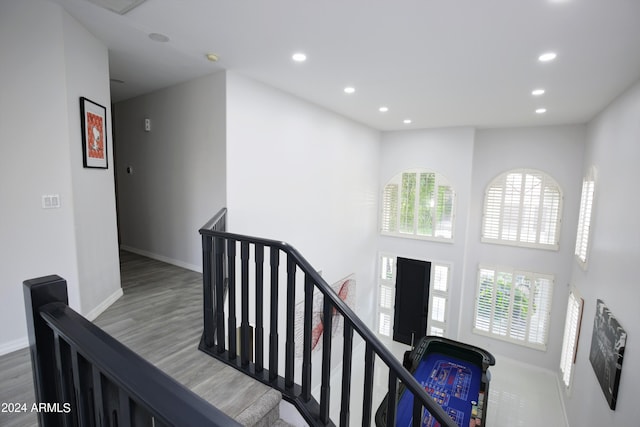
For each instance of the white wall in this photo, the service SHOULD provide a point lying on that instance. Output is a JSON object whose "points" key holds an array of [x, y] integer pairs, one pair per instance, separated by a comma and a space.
{"points": [[450, 153], [557, 151], [87, 74], [613, 149], [179, 168], [40, 153], [301, 174]]}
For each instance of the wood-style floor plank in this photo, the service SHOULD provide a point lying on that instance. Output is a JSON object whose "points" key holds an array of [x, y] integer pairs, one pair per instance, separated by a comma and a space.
{"points": [[160, 318]]}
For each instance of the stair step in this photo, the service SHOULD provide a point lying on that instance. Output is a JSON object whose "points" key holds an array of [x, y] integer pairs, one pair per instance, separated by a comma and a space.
{"points": [[263, 412]]}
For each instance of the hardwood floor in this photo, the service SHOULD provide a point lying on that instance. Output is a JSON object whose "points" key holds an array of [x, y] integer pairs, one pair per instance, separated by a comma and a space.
{"points": [[160, 318]]}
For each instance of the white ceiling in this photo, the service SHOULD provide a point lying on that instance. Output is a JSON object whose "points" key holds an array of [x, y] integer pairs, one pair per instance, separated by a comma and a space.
{"points": [[437, 62]]}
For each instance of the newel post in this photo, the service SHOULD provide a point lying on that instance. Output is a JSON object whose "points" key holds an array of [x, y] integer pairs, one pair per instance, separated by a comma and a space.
{"points": [[38, 293]]}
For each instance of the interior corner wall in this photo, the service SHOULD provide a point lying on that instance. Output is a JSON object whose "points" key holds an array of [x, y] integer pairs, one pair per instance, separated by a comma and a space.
{"points": [[557, 151], [304, 175], [96, 233], [34, 160], [177, 170], [449, 152], [611, 275]]}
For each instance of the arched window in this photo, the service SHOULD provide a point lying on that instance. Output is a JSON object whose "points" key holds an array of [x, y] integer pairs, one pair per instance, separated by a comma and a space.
{"points": [[418, 203], [522, 208]]}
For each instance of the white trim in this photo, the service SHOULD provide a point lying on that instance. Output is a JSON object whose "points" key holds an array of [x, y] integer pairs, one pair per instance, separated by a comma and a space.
{"points": [[560, 385], [178, 263], [11, 346], [100, 308]]}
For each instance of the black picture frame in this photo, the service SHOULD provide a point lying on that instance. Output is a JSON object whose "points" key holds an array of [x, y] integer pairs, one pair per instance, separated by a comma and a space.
{"points": [[93, 121]]}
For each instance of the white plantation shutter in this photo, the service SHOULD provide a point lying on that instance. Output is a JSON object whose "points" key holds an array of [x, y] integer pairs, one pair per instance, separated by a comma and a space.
{"points": [[522, 208], [390, 208], [484, 301], [386, 294], [418, 203], [493, 213], [584, 220], [570, 339], [514, 306], [384, 328], [540, 310], [440, 277], [386, 297], [438, 309]]}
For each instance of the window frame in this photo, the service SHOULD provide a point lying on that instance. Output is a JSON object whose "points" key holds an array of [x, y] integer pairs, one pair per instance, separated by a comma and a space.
{"points": [[494, 212], [508, 336], [389, 283], [571, 338], [390, 222], [585, 219]]}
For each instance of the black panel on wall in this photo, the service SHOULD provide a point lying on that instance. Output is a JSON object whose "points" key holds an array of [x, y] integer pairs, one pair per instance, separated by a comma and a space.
{"points": [[412, 300]]}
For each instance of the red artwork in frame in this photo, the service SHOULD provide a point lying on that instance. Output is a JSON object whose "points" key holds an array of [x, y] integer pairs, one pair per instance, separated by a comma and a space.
{"points": [[94, 134]]}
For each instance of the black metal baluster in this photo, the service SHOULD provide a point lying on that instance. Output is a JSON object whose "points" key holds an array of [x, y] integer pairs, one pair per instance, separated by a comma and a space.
{"points": [[231, 263], [306, 346], [63, 376], [259, 337], [244, 295], [417, 413], [207, 295], [325, 387], [347, 356], [124, 412], [368, 386], [289, 351], [273, 311], [81, 407], [219, 263], [392, 398], [97, 396]]}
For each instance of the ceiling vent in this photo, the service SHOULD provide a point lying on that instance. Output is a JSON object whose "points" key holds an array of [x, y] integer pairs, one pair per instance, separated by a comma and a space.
{"points": [[118, 6]]}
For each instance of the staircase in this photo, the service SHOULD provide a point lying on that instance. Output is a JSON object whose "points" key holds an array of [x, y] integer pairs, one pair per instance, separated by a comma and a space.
{"points": [[158, 319], [251, 287]]}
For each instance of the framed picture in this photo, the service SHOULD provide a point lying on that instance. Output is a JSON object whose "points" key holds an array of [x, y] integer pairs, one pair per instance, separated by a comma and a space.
{"points": [[93, 118], [607, 352]]}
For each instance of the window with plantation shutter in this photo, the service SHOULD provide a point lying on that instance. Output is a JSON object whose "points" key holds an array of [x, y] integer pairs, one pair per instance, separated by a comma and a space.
{"points": [[584, 219], [438, 296], [418, 204], [522, 208], [570, 339], [514, 306]]}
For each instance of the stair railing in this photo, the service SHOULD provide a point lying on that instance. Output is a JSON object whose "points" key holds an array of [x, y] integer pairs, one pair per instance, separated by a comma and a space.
{"points": [[221, 250], [84, 377]]}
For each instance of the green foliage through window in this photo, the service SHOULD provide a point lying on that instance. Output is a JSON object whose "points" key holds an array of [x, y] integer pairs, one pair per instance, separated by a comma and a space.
{"points": [[513, 306], [418, 203]]}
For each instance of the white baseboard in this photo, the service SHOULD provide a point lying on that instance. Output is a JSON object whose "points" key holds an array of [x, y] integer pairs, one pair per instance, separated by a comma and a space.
{"points": [[93, 314], [20, 343], [162, 258], [11, 346]]}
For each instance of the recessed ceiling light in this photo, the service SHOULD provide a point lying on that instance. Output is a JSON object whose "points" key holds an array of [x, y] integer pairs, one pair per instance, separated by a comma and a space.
{"points": [[212, 57], [157, 37], [537, 92], [383, 109], [406, 121], [541, 110], [349, 89], [546, 57], [299, 57]]}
